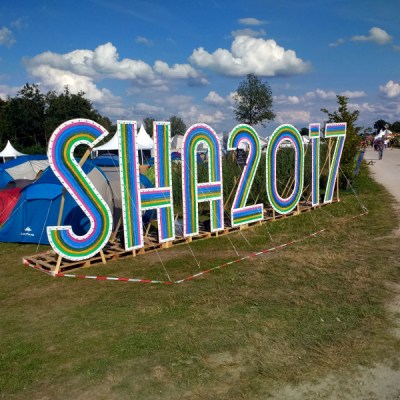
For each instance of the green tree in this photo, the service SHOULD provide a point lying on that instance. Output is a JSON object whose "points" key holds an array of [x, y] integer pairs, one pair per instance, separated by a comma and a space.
{"points": [[353, 140], [253, 101], [65, 106], [395, 127], [304, 131], [24, 117], [379, 125], [178, 127], [148, 125]]}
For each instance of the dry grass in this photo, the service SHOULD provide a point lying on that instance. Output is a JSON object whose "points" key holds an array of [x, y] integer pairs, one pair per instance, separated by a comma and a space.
{"points": [[236, 333]]}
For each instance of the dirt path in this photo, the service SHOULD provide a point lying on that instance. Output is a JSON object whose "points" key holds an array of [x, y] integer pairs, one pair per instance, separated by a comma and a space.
{"points": [[382, 382]]}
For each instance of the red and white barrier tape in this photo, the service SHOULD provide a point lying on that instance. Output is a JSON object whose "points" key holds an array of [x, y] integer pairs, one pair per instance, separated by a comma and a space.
{"points": [[189, 278]]}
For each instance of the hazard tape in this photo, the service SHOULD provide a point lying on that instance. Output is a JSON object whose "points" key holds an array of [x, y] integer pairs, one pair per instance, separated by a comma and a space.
{"points": [[189, 278]]}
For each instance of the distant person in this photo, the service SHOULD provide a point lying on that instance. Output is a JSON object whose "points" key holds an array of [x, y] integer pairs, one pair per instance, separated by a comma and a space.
{"points": [[379, 146]]}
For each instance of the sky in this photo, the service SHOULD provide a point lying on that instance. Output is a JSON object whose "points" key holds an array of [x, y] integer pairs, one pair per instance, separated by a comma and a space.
{"points": [[136, 59]]}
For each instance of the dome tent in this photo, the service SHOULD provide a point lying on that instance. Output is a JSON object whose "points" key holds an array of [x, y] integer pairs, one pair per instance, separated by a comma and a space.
{"points": [[39, 206]]}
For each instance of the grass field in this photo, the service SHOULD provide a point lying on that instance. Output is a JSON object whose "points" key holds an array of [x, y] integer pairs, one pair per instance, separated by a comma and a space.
{"points": [[237, 333]]}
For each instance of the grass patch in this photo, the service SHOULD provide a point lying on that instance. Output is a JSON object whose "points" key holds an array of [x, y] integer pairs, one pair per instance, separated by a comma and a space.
{"points": [[236, 333]]}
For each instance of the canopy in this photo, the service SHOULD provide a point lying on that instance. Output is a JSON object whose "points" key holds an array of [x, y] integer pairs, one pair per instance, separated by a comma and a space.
{"points": [[109, 147], [143, 140], [10, 152]]}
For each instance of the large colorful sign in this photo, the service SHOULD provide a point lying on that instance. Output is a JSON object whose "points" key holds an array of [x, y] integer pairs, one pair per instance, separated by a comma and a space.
{"points": [[136, 200]]}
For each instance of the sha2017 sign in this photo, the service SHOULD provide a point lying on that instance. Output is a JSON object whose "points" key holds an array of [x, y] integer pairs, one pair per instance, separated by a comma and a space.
{"points": [[136, 199]]}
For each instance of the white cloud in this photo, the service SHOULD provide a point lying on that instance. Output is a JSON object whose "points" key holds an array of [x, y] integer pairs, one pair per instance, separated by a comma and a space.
{"points": [[148, 109], [282, 99], [293, 117], [251, 21], [177, 71], [144, 40], [322, 94], [353, 94], [214, 98], [193, 115], [104, 62], [377, 35], [251, 55], [8, 91], [55, 79], [6, 37], [248, 32], [337, 43], [391, 89]]}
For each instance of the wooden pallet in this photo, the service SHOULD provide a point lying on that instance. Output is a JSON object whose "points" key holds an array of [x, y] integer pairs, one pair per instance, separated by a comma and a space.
{"points": [[51, 262]]}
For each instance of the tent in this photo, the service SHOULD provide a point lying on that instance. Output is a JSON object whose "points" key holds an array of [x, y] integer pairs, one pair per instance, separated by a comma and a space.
{"points": [[143, 140], [8, 200], [39, 206], [111, 147], [176, 143], [9, 152], [22, 168]]}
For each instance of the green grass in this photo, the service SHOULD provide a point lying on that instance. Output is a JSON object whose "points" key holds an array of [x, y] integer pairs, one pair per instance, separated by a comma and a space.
{"points": [[236, 333]]}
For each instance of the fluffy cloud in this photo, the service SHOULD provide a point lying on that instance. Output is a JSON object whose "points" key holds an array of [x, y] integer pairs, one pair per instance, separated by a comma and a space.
{"points": [[248, 32], [293, 117], [6, 37], [55, 79], [322, 94], [144, 40], [8, 91], [251, 21], [104, 62], [391, 89], [282, 99], [194, 114], [353, 94], [214, 98], [377, 35], [337, 43], [251, 55]]}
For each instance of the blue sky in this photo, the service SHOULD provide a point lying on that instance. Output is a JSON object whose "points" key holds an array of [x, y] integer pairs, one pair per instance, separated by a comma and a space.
{"points": [[137, 59]]}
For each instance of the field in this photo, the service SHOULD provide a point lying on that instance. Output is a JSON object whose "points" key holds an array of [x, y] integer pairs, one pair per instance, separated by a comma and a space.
{"points": [[239, 332]]}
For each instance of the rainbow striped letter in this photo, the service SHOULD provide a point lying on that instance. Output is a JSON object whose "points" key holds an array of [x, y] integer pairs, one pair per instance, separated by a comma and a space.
{"points": [[240, 213], [291, 134], [314, 134], [194, 192], [334, 130], [135, 199], [61, 157]]}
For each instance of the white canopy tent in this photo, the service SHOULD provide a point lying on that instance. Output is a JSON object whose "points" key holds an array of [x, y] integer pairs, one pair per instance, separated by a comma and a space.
{"points": [[9, 152], [143, 140]]}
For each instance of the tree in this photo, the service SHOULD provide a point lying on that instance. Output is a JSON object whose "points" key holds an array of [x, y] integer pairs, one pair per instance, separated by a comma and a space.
{"points": [[148, 125], [253, 101], [379, 125], [24, 117], [395, 127], [178, 127], [353, 140], [304, 131], [65, 106]]}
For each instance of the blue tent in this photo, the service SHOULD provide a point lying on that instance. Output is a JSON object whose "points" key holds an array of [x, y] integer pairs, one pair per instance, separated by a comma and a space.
{"points": [[39, 206]]}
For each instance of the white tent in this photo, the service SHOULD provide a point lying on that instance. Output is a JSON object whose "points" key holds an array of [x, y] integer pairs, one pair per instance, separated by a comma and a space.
{"points": [[143, 140], [9, 152], [176, 143], [110, 146]]}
